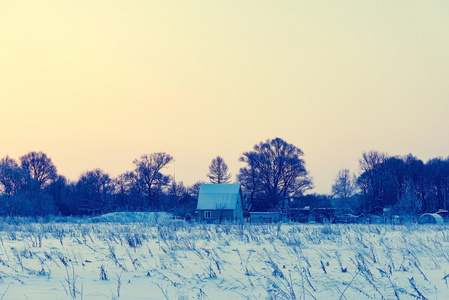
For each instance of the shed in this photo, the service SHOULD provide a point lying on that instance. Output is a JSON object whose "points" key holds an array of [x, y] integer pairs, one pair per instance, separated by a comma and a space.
{"points": [[430, 219], [443, 213], [220, 202], [267, 217]]}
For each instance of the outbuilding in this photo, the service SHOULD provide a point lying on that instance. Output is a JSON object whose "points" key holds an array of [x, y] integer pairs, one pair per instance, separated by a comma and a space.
{"points": [[430, 219], [217, 202], [267, 217]]}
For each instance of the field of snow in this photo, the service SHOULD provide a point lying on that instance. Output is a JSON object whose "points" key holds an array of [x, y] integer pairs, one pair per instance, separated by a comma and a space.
{"points": [[119, 256]]}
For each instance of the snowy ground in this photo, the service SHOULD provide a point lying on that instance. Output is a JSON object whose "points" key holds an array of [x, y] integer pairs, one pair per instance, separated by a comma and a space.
{"points": [[159, 258]]}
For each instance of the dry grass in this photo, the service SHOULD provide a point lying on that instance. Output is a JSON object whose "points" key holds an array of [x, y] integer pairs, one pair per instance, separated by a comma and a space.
{"points": [[244, 261]]}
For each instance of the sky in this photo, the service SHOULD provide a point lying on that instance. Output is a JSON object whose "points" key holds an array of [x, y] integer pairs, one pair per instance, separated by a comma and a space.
{"points": [[96, 84]]}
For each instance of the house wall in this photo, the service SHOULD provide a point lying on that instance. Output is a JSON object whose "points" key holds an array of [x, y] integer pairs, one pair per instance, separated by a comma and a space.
{"points": [[216, 214], [238, 212]]}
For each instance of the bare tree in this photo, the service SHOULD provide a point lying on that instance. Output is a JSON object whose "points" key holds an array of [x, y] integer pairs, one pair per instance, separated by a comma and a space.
{"points": [[277, 170], [95, 188], [372, 169], [63, 193], [148, 171], [40, 167], [438, 183], [13, 184], [249, 178], [176, 190], [194, 189], [344, 186], [218, 171], [12, 178]]}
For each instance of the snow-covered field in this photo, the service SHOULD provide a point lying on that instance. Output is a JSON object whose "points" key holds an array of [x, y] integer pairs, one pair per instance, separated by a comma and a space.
{"points": [[125, 256]]}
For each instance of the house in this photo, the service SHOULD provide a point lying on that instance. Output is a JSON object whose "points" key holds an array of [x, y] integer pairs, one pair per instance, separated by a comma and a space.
{"points": [[217, 202]]}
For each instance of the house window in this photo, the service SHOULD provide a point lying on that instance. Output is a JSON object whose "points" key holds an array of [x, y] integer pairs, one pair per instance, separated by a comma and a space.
{"points": [[207, 214]]}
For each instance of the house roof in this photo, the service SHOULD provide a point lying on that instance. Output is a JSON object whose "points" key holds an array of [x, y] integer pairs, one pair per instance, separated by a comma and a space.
{"points": [[219, 196]]}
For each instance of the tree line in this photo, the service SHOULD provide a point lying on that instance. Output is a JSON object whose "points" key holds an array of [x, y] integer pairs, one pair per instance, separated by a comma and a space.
{"points": [[274, 178], [404, 184], [31, 185]]}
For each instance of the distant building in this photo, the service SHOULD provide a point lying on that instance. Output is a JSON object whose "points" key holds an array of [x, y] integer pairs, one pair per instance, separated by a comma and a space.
{"points": [[217, 202], [430, 219], [444, 214], [299, 214], [268, 217]]}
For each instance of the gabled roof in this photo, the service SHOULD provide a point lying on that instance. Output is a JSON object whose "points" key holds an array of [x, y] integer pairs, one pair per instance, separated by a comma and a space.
{"points": [[219, 196]]}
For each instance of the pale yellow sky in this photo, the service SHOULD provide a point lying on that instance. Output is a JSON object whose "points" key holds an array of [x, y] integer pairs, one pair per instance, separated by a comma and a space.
{"points": [[95, 84]]}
